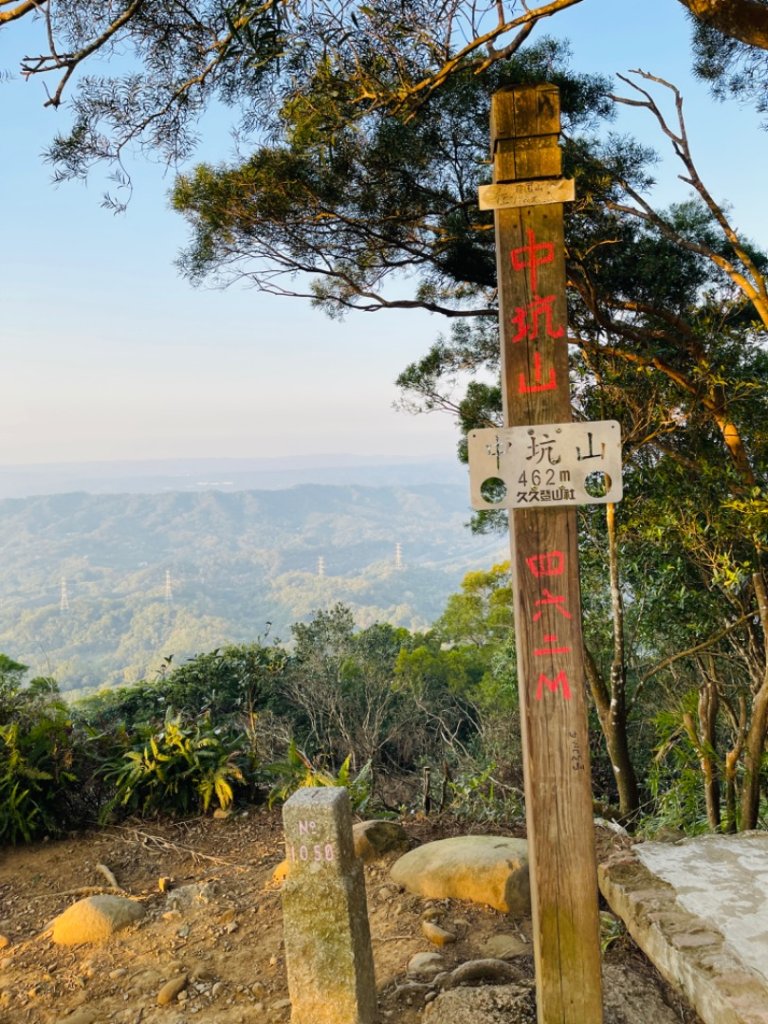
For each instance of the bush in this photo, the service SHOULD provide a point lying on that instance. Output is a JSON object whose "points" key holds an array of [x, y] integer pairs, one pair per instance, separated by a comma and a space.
{"points": [[183, 768], [42, 774]]}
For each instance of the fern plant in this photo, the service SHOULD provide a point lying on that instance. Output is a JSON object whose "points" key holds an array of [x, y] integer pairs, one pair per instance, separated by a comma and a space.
{"points": [[296, 771], [183, 768]]}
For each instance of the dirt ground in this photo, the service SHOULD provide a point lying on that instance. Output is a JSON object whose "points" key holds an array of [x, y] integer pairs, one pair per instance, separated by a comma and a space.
{"points": [[225, 937]]}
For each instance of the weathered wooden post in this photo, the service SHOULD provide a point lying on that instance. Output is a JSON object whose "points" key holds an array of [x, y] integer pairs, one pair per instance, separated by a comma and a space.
{"points": [[527, 197], [325, 920]]}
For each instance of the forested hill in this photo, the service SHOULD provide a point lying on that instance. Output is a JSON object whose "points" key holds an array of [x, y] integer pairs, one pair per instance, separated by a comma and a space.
{"points": [[99, 589]]}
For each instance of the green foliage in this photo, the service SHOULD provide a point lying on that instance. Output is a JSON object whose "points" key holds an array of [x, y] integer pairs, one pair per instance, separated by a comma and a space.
{"points": [[184, 768], [674, 779], [43, 766], [296, 771], [356, 195], [478, 794]]}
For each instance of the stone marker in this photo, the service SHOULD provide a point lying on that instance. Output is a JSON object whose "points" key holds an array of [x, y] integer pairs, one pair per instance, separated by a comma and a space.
{"points": [[325, 920]]}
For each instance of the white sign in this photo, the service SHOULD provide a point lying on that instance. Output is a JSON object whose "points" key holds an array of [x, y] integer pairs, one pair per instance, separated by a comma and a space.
{"points": [[546, 465]]}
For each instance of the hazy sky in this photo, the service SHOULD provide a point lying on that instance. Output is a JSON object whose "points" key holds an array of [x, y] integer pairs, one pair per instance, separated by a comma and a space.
{"points": [[108, 354]]}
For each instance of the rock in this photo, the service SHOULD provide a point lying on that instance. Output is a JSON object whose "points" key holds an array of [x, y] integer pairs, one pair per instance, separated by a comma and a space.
{"points": [[490, 972], [171, 989], [373, 839], [437, 936], [81, 1016], [188, 896], [492, 870], [496, 1004], [506, 947], [280, 873], [425, 965], [146, 981], [4, 941], [95, 919]]}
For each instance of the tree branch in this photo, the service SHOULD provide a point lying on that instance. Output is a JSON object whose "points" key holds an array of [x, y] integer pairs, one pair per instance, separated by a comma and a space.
{"points": [[745, 20], [26, 7]]}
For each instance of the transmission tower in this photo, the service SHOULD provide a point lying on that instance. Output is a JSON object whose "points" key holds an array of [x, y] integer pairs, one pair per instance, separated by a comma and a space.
{"points": [[398, 555], [168, 586], [321, 566], [64, 599]]}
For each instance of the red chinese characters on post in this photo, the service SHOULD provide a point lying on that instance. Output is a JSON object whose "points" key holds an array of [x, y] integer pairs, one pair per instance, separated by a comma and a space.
{"points": [[554, 599], [532, 256], [539, 384], [527, 319], [538, 315], [550, 563]]}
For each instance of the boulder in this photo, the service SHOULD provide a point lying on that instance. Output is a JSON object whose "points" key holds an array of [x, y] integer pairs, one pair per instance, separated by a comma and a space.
{"points": [[95, 919], [492, 870], [373, 839]]}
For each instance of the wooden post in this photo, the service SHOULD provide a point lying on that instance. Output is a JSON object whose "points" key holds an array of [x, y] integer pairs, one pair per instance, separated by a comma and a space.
{"points": [[530, 252]]}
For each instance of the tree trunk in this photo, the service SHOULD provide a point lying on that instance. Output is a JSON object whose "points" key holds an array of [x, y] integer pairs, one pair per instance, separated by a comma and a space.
{"points": [[754, 744], [732, 758], [614, 731], [616, 719], [704, 739]]}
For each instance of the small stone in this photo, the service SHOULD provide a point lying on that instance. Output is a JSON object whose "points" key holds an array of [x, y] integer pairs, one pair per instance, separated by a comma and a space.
{"points": [[81, 1016], [118, 972], [437, 936], [232, 927], [4, 941], [425, 965], [505, 947], [280, 873], [221, 815], [171, 989]]}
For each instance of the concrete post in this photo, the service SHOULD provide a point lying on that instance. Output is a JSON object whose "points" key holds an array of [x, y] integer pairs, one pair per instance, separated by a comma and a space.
{"points": [[325, 918]]}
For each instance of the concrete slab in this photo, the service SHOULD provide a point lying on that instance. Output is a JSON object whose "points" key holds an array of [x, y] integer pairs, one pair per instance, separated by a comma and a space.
{"points": [[699, 911]]}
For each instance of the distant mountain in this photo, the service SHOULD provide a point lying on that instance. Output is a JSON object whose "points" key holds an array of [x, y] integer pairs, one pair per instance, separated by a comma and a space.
{"points": [[98, 589], [199, 475]]}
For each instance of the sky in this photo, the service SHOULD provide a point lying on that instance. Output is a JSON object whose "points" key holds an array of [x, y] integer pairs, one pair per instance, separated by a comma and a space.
{"points": [[107, 353]]}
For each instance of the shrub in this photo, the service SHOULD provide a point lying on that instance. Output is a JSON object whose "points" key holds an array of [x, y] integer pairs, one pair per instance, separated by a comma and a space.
{"points": [[183, 768]]}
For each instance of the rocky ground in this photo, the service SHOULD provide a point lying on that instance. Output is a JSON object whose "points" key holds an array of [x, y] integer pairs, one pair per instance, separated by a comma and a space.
{"points": [[209, 946]]}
